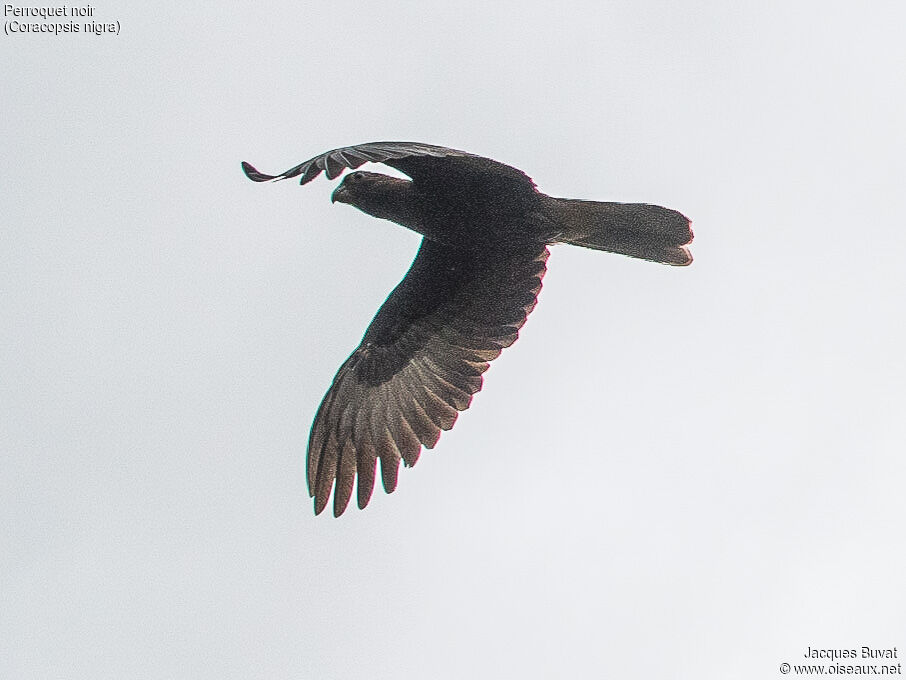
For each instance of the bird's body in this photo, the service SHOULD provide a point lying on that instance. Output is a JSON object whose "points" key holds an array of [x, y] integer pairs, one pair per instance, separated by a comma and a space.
{"points": [[476, 277]]}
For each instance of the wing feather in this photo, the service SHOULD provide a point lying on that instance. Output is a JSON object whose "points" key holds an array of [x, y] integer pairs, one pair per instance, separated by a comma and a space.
{"points": [[419, 364], [366, 455], [423, 162], [451, 395], [346, 468]]}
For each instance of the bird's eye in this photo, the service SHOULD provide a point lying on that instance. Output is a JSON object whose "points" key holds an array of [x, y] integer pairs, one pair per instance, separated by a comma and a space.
{"points": [[356, 176]]}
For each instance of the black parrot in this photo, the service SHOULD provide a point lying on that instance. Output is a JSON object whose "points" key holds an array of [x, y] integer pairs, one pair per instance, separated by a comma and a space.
{"points": [[475, 278]]}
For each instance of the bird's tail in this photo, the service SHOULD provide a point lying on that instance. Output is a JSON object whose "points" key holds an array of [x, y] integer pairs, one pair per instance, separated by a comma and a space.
{"points": [[648, 232]]}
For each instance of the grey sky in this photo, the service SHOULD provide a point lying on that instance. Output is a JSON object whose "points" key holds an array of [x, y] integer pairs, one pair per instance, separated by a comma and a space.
{"points": [[689, 473]]}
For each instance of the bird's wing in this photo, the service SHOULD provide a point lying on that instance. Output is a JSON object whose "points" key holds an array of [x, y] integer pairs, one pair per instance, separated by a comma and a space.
{"points": [[424, 163], [419, 364]]}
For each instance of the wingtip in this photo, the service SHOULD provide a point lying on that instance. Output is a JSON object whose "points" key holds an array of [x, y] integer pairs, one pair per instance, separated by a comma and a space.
{"points": [[252, 173], [320, 504]]}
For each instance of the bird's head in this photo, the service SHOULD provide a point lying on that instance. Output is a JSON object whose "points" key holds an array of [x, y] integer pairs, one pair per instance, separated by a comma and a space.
{"points": [[373, 193]]}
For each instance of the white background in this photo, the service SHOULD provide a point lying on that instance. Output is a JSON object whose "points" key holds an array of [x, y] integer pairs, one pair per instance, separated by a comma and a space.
{"points": [[685, 473]]}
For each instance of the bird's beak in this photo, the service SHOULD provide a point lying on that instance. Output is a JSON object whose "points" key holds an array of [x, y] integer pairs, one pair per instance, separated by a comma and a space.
{"points": [[339, 194]]}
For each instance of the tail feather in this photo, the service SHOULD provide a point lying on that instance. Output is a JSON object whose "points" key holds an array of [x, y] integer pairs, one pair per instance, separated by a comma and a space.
{"points": [[641, 230]]}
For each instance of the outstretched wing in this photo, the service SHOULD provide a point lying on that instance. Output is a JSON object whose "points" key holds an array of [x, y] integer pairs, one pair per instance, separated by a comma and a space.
{"points": [[424, 163], [419, 364]]}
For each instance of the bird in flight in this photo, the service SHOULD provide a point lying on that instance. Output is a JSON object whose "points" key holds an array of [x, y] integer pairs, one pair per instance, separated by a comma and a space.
{"points": [[486, 231]]}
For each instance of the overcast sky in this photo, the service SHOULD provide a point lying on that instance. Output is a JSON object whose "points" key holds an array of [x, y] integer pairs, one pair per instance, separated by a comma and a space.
{"points": [[674, 473]]}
